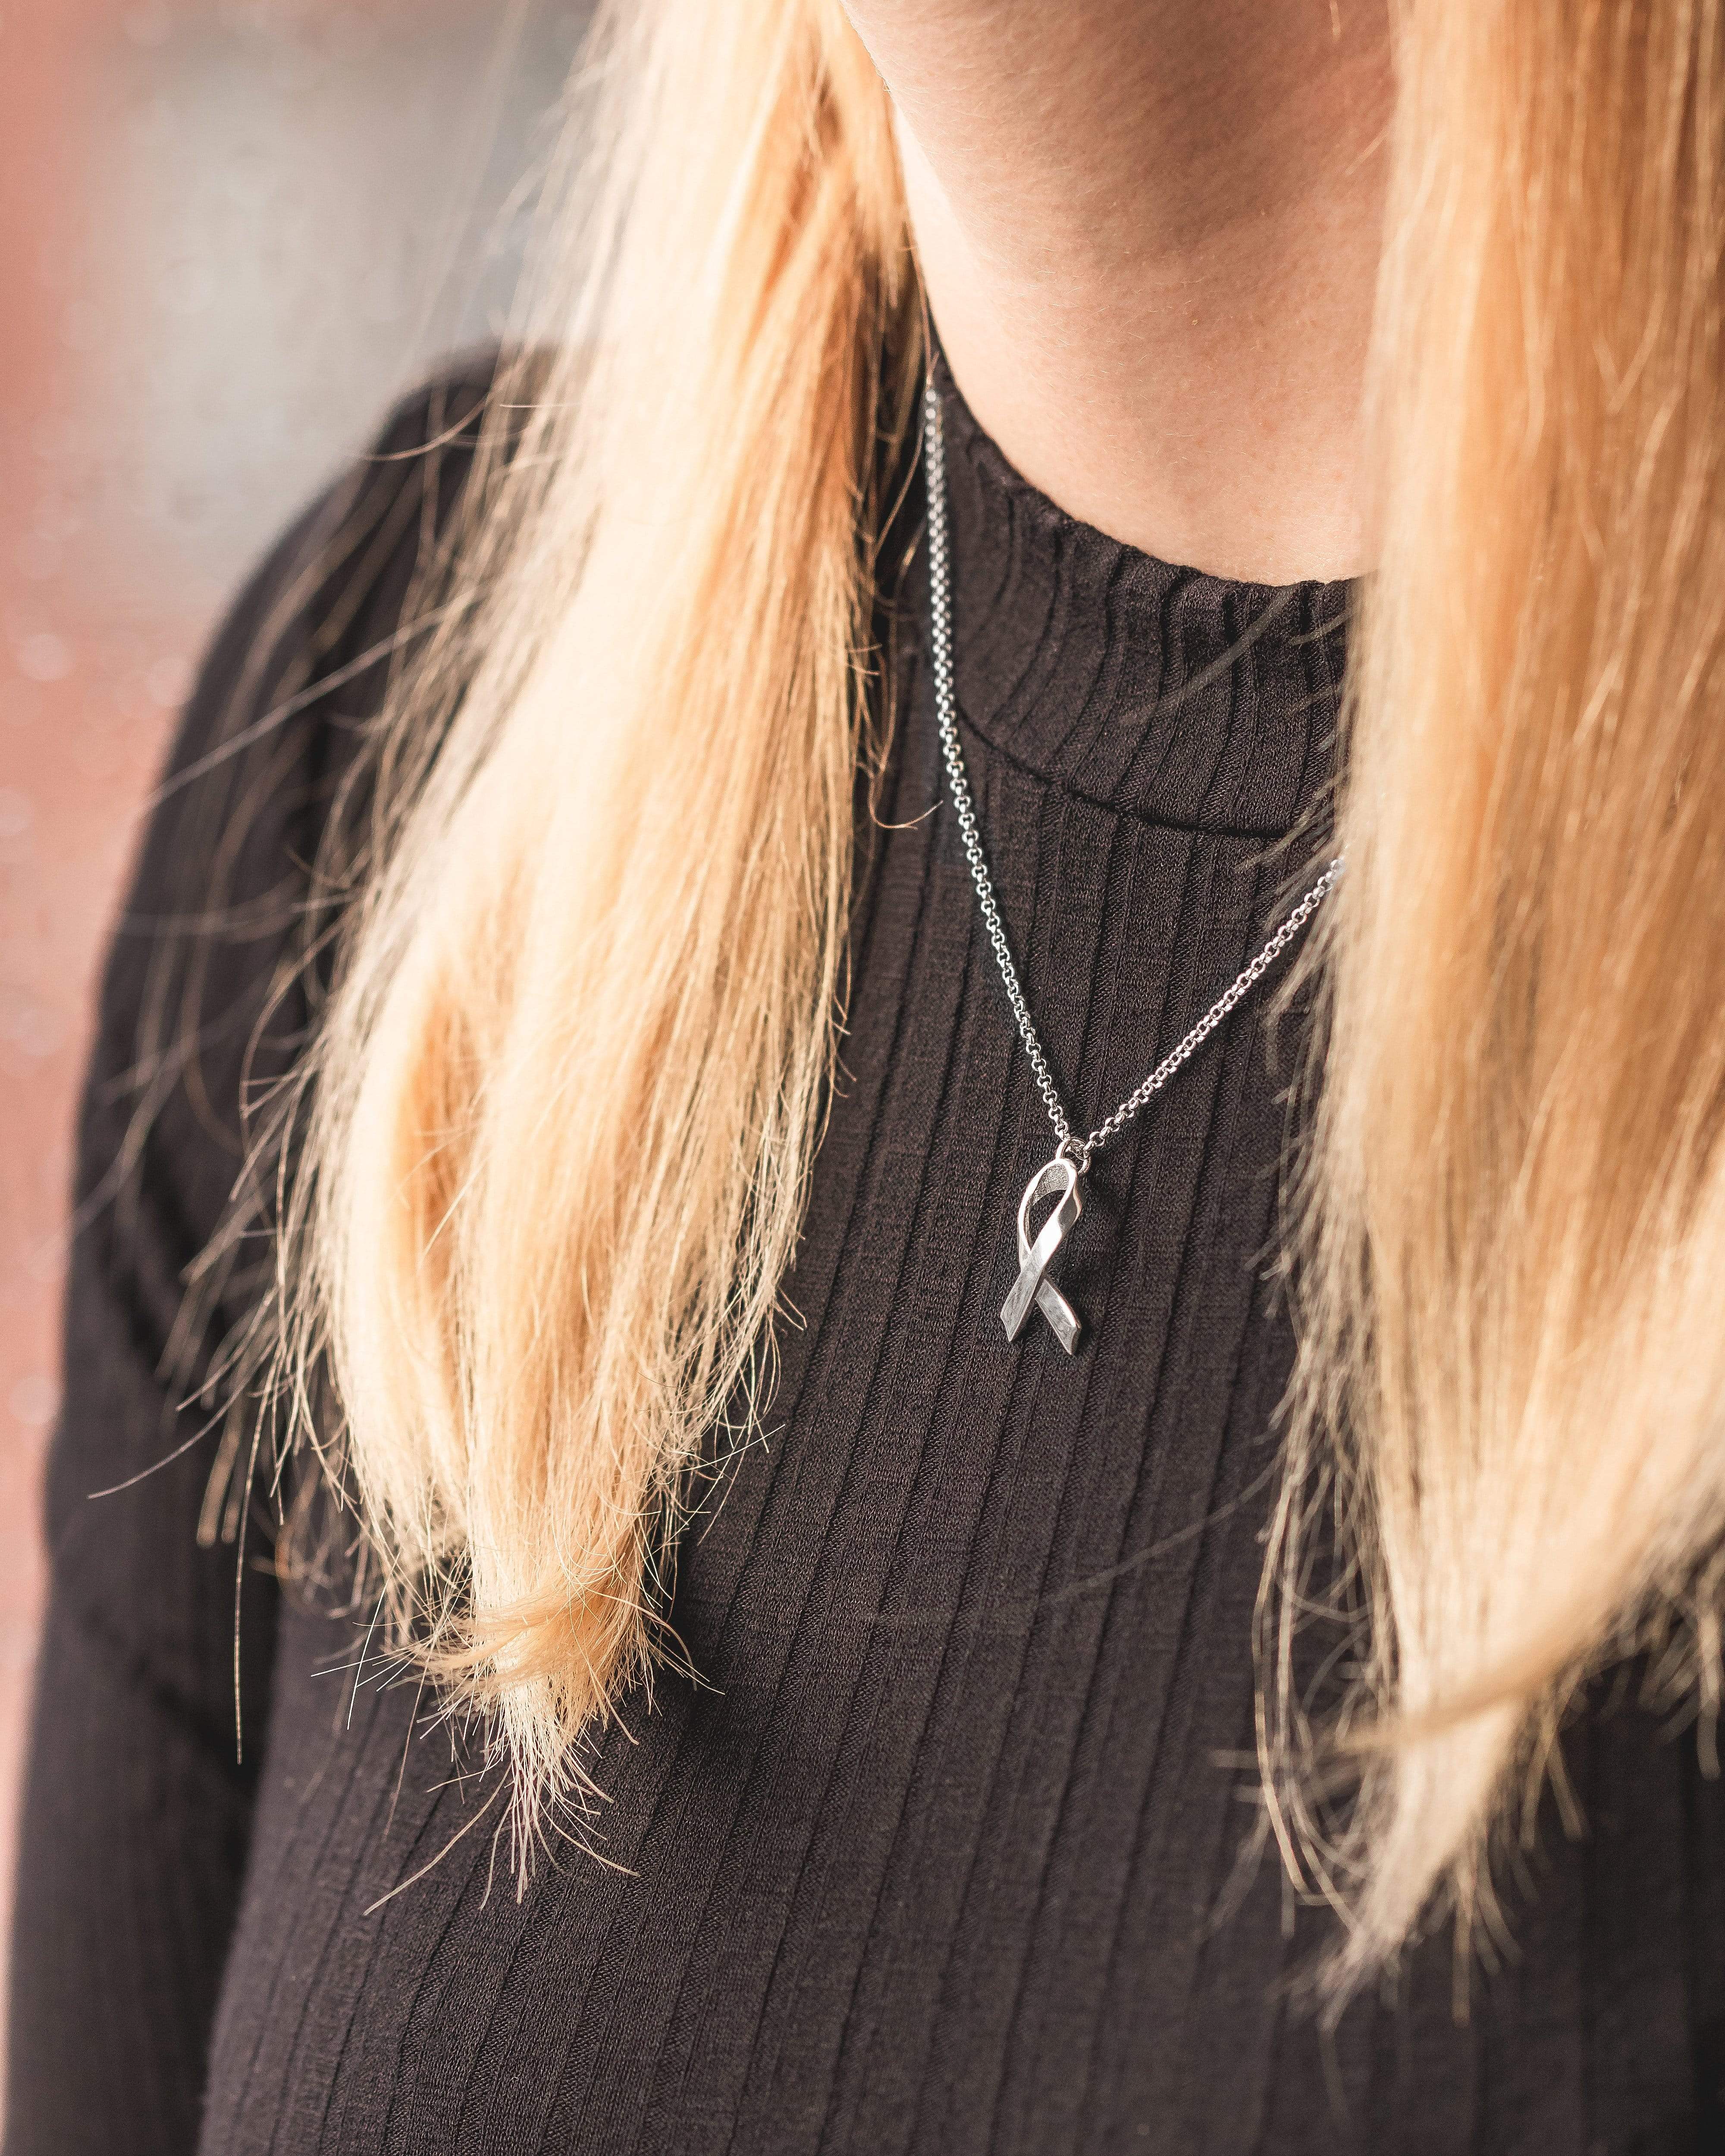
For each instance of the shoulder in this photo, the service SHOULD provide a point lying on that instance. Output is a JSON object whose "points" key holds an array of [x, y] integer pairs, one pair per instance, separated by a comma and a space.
{"points": [[203, 1002], [310, 643]]}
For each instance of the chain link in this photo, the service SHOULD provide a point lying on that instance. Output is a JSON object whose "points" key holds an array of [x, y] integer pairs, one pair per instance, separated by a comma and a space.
{"points": [[1078, 1150]]}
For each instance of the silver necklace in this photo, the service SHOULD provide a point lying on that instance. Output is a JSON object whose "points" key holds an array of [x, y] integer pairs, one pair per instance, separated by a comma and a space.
{"points": [[1063, 1178]]}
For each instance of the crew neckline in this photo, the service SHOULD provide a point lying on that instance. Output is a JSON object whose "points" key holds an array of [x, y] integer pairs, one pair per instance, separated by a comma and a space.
{"points": [[1179, 696]]}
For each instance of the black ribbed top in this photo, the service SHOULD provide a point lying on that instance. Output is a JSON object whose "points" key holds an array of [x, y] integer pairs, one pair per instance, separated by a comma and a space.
{"points": [[952, 1850]]}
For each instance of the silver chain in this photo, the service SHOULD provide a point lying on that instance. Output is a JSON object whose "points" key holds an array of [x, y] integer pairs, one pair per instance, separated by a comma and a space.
{"points": [[1078, 1150]]}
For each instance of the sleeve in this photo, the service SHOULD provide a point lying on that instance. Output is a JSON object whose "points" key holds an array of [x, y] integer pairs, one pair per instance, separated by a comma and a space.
{"points": [[140, 1785]]}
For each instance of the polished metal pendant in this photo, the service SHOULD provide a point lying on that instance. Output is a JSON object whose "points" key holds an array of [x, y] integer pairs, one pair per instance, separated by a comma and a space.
{"points": [[1033, 1286]]}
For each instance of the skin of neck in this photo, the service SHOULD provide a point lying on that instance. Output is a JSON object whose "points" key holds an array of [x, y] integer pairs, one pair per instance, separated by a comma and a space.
{"points": [[1149, 232]]}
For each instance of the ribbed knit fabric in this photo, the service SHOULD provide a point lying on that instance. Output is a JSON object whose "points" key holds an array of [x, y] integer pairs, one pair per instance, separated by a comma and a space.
{"points": [[952, 1850]]}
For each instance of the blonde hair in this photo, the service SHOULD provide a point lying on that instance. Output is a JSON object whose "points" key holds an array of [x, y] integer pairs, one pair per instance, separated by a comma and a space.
{"points": [[1512, 1225], [566, 1097]]}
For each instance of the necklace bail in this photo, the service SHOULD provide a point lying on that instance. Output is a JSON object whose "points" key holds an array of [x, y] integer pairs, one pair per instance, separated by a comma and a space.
{"points": [[1074, 1150]]}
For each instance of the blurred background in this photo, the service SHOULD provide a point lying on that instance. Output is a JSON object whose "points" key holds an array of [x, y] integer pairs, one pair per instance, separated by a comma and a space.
{"points": [[231, 232]]}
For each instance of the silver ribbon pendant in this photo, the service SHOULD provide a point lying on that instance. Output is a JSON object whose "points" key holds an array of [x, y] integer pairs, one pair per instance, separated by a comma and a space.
{"points": [[1033, 1286]]}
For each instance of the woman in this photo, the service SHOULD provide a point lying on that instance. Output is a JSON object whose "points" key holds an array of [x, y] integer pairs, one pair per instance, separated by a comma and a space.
{"points": [[658, 863]]}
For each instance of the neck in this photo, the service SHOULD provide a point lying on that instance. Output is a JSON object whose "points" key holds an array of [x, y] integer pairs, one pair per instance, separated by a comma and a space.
{"points": [[1149, 234]]}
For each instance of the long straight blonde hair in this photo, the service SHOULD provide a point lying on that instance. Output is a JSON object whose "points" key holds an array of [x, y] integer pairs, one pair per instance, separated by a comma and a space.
{"points": [[566, 1095]]}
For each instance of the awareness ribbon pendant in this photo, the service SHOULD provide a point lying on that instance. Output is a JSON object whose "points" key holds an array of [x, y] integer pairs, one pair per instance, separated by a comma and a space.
{"points": [[1033, 1285]]}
